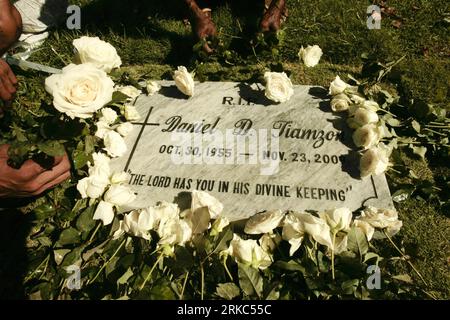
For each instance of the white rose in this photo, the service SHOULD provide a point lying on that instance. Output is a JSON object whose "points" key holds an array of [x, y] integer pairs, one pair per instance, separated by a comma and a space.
{"points": [[104, 212], [119, 195], [357, 98], [162, 212], [311, 55], [374, 161], [114, 144], [202, 199], [379, 218], [218, 225], [365, 227], [340, 102], [124, 129], [119, 177], [269, 242], [80, 90], [278, 87], [102, 128], [131, 91], [184, 81], [137, 224], [249, 253], [367, 136], [370, 105], [108, 115], [317, 228], [361, 117], [100, 53], [131, 113], [152, 87], [293, 232], [338, 219], [175, 231], [92, 186], [338, 86], [101, 165], [391, 230], [264, 222]]}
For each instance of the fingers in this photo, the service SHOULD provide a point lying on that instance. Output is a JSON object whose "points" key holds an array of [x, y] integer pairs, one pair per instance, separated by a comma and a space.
{"points": [[49, 177], [8, 82], [5, 94], [52, 183], [4, 150]]}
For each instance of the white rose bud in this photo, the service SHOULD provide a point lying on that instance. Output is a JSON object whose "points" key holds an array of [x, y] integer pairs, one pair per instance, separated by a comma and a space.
{"points": [[338, 219], [175, 231], [130, 91], [338, 86], [184, 81], [131, 113], [152, 87], [137, 224], [114, 144], [367, 136], [101, 165], [80, 90], [202, 199], [249, 252], [340, 102], [311, 55], [374, 161], [102, 128], [104, 212], [278, 87], [293, 232], [386, 219], [264, 222], [365, 227], [124, 129], [119, 195], [219, 225], [92, 186], [269, 242], [108, 115]]}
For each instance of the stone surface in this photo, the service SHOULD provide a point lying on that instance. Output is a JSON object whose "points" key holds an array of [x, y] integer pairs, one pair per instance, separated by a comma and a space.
{"points": [[298, 155]]}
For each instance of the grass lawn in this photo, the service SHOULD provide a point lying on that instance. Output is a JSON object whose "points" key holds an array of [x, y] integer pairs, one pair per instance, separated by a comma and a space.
{"points": [[152, 40]]}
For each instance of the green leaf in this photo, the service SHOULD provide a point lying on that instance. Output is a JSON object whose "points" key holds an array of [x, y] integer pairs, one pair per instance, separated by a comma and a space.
{"points": [[80, 159], [290, 266], [228, 290], [69, 236], [404, 278], [52, 148], [357, 241], [85, 221], [44, 211], [350, 286], [124, 278], [372, 255], [222, 245], [250, 280], [416, 126], [402, 195]]}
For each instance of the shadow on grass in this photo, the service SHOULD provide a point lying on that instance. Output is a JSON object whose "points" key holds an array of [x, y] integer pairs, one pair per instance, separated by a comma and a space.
{"points": [[138, 19]]}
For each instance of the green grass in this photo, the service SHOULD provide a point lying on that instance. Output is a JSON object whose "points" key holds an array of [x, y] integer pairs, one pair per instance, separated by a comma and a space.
{"points": [[152, 39]]}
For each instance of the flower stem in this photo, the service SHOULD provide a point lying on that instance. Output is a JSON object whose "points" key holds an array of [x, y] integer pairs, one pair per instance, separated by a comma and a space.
{"points": [[95, 232], [36, 270], [109, 260], [184, 285], [202, 272], [226, 269], [405, 258], [151, 271], [332, 256]]}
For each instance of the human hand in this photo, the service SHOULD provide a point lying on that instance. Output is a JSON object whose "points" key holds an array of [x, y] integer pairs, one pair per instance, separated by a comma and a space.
{"points": [[31, 179], [8, 83]]}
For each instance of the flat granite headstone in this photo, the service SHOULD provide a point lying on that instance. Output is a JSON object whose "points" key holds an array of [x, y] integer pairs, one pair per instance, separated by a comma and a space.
{"points": [[248, 152]]}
